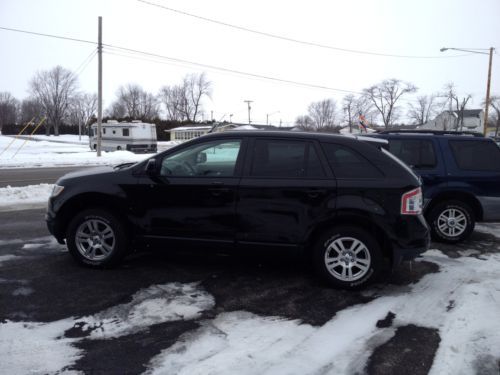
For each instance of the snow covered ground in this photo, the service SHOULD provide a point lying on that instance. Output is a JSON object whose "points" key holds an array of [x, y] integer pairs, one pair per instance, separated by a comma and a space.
{"points": [[461, 302], [64, 150], [24, 197]]}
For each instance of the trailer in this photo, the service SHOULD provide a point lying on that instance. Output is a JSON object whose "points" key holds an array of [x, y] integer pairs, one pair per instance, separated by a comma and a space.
{"points": [[135, 136]]}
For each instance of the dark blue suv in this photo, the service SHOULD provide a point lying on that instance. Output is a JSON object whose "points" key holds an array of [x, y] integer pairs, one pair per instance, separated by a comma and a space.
{"points": [[460, 173]]}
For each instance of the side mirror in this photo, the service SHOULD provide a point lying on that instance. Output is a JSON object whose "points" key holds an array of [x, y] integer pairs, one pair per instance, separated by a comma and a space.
{"points": [[201, 158], [151, 166]]}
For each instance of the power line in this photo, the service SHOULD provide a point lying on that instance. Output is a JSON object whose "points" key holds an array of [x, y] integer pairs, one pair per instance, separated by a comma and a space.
{"points": [[134, 54], [293, 40], [184, 62], [233, 71], [81, 68], [49, 35]]}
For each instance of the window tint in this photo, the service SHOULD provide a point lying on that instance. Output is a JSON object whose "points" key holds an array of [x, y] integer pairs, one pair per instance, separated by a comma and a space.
{"points": [[415, 153], [217, 158], [347, 163], [285, 159], [125, 132], [476, 155]]}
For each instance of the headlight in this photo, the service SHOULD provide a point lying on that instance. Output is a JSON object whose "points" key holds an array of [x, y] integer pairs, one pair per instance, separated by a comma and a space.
{"points": [[57, 190]]}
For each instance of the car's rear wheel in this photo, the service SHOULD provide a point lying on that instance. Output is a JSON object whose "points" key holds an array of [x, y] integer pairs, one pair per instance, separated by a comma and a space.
{"points": [[451, 221], [97, 238], [348, 257]]}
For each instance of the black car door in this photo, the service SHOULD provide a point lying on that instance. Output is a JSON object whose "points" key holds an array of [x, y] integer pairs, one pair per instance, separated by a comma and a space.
{"points": [[283, 192], [192, 196]]}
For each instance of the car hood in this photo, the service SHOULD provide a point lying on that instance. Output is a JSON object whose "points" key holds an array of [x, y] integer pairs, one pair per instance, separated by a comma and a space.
{"points": [[87, 172]]}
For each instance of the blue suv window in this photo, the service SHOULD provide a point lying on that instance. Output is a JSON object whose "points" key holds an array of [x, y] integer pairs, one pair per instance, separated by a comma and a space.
{"points": [[416, 153], [476, 155]]}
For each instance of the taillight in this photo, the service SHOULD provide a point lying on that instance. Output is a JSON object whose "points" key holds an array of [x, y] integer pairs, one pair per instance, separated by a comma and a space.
{"points": [[411, 202]]}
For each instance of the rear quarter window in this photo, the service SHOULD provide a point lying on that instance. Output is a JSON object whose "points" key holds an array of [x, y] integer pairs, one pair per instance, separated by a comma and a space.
{"points": [[346, 162], [476, 155]]}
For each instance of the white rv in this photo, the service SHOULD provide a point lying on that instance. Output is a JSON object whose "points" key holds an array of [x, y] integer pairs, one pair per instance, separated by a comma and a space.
{"points": [[135, 136]]}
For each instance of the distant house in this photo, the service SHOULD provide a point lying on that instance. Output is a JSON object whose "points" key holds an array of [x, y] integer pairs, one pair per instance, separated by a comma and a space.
{"points": [[185, 133], [473, 120]]}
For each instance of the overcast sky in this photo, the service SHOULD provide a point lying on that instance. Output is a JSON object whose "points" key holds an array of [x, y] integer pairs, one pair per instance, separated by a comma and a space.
{"points": [[401, 27]]}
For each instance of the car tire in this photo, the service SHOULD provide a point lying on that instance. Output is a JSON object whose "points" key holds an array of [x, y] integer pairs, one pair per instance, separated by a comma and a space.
{"points": [[451, 221], [348, 257], [96, 238]]}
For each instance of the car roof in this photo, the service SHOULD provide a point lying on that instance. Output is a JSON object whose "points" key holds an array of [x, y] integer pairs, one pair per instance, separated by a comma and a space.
{"points": [[295, 134], [428, 134]]}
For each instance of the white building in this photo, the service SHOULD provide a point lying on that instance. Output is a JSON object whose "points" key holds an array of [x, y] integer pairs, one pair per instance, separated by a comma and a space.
{"points": [[185, 133], [473, 120]]}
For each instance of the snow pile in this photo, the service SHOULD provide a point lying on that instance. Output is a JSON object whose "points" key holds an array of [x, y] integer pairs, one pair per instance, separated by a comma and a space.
{"points": [[156, 304], [29, 347], [462, 301], [36, 348], [57, 154], [31, 196]]}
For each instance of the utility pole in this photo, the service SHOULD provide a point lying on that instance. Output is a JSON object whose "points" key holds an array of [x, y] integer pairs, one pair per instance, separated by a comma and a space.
{"points": [[488, 94], [249, 108], [231, 118], [212, 115], [99, 86]]}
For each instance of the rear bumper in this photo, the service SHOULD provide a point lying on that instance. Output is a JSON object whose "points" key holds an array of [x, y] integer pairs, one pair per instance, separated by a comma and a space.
{"points": [[413, 239], [143, 148]]}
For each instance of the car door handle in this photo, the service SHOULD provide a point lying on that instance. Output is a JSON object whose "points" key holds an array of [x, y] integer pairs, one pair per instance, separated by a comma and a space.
{"points": [[315, 193]]}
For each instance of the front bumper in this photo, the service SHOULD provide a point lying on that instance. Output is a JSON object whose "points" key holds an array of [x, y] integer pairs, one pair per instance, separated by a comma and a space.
{"points": [[54, 228]]}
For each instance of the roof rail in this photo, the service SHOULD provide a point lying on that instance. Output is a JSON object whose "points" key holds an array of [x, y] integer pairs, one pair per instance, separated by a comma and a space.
{"points": [[433, 132]]}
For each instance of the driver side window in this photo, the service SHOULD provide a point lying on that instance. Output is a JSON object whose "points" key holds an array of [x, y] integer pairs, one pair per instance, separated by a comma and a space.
{"points": [[209, 159]]}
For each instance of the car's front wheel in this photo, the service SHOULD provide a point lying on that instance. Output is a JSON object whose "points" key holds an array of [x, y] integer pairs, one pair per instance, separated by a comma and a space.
{"points": [[451, 221], [348, 257], [97, 238]]}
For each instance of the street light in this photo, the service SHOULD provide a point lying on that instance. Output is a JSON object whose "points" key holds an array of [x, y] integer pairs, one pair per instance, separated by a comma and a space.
{"points": [[270, 114], [478, 50]]}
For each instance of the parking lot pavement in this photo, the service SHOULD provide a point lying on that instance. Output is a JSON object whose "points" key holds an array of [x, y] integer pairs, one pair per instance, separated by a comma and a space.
{"points": [[193, 312]]}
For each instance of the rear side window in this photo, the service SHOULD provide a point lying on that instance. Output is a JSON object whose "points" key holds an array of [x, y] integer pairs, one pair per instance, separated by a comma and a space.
{"points": [[348, 163], [476, 155], [416, 153], [285, 159]]}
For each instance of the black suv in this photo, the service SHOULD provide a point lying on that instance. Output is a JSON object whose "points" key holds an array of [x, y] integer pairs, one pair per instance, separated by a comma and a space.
{"points": [[461, 178], [349, 204]]}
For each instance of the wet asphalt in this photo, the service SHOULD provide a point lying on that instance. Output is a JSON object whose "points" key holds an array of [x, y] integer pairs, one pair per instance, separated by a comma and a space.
{"points": [[268, 286]]}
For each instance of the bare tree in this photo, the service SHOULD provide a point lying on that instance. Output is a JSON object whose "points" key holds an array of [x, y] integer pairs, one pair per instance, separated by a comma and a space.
{"points": [[134, 102], [31, 109], [174, 100], [8, 109], [495, 104], [197, 87], [456, 103], [323, 113], [184, 102], [423, 110], [82, 109], [304, 123], [349, 109], [385, 96], [116, 110], [54, 89]]}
